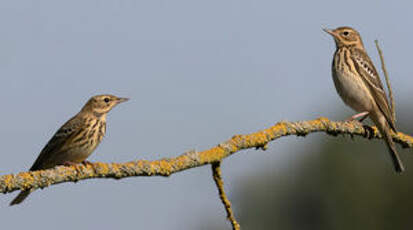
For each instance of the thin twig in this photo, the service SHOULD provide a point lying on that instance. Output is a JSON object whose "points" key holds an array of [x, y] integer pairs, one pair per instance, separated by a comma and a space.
{"points": [[216, 173], [383, 67]]}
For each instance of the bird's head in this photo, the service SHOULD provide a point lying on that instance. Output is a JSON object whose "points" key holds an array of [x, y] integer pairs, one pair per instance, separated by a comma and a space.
{"points": [[102, 104], [346, 36]]}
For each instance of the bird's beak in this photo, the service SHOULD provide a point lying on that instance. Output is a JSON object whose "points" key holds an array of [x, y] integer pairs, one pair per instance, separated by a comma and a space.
{"points": [[122, 99], [330, 32]]}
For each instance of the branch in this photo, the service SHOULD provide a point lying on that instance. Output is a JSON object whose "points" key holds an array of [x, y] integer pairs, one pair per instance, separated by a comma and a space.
{"points": [[216, 174], [386, 75], [165, 167]]}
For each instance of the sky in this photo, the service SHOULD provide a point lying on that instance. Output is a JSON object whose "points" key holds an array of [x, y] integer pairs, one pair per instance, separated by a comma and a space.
{"points": [[197, 73]]}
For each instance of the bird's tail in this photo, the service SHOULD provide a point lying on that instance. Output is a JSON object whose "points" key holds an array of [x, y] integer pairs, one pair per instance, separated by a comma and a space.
{"points": [[385, 130], [20, 198]]}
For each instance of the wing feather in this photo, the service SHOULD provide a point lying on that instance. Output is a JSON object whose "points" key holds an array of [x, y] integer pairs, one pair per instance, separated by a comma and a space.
{"points": [[369, 74], [56, 144]]}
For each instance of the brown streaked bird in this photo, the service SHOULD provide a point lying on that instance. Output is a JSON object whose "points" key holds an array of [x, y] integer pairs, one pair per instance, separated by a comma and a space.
{"points": [[77, 138], [359, 85]]}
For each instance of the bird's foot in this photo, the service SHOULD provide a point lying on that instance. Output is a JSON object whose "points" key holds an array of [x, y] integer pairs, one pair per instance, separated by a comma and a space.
{"points": [[369, 131], [69, 163], [86, 162]]}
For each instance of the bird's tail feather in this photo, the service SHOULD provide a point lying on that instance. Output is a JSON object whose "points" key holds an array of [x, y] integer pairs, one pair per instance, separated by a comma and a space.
{"points": [[20, 198], [398, 165]]}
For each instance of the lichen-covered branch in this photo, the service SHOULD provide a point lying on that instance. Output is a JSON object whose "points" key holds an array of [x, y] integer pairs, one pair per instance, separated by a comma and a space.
{"points": [[165, 167], [217, 175]]}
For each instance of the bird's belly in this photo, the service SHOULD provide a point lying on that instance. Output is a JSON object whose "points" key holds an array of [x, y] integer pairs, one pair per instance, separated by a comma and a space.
{"points": [[74, 155], [78, 155], [353, 91]]}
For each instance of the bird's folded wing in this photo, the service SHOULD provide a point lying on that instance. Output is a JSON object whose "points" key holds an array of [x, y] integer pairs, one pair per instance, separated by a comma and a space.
{"points": [[57, 143], [370, 76]]}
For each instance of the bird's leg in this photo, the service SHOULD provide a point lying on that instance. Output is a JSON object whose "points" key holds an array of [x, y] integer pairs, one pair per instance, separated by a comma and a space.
{"points": [[363, 116], [69, 163]]}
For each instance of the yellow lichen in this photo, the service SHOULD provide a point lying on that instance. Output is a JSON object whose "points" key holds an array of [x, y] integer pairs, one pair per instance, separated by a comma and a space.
{"points": [[188, 160]]}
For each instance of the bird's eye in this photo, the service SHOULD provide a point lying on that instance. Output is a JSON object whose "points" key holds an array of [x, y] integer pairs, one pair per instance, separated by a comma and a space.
{"points": [[345, 33], [106, 99]]}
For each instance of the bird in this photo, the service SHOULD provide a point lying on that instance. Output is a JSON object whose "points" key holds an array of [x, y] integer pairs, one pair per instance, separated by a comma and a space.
{"points": [[76, 139], [359, 86]]}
